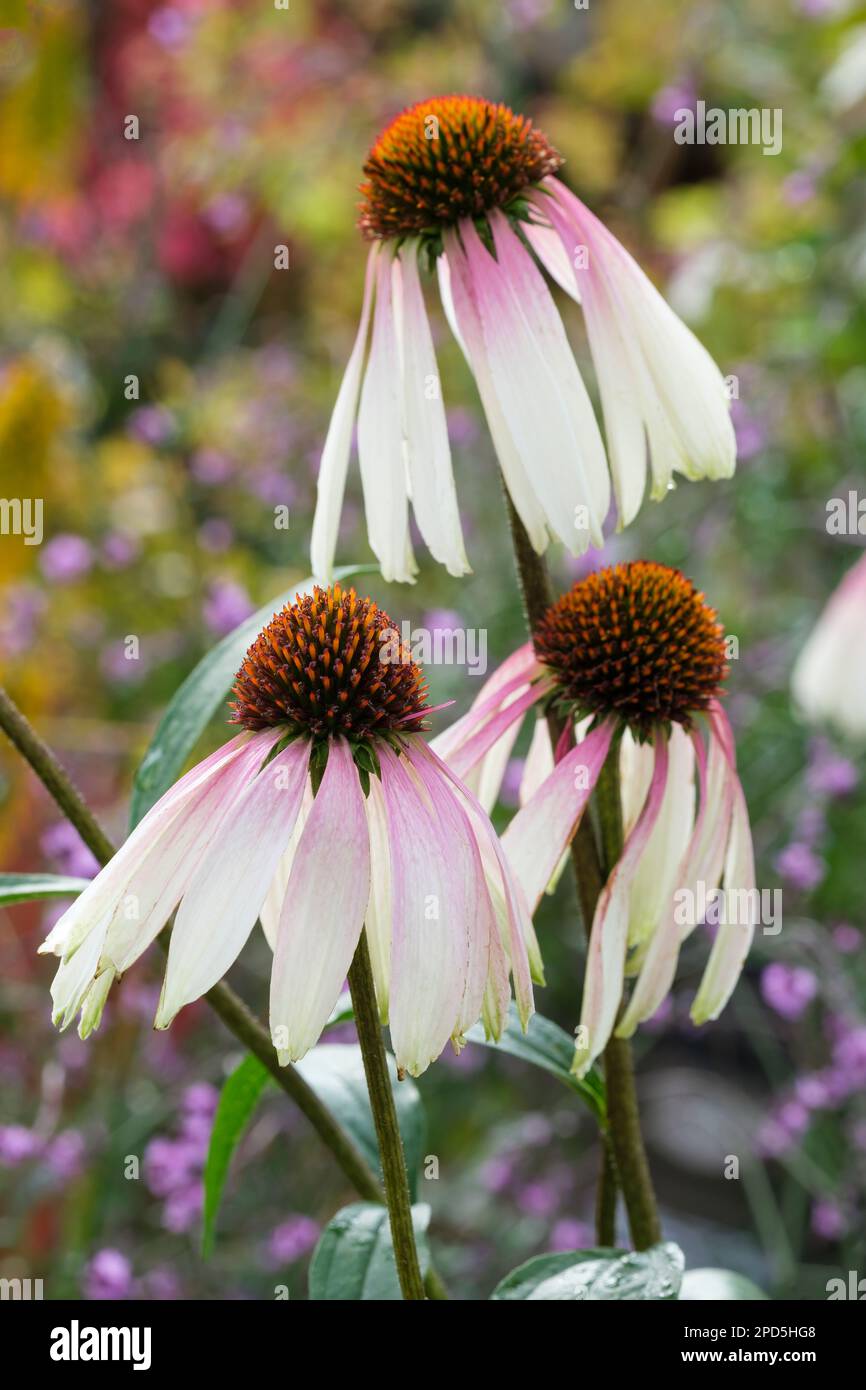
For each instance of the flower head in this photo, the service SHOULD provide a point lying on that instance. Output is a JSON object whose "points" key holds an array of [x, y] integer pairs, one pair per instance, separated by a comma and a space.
{"points": [[328, 812], [637, 642], [633, 658], [471, 188], [446, 159], [330, 663]]}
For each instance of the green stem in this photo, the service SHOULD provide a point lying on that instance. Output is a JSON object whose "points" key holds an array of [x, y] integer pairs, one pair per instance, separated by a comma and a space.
{"points": [[228, 1006], [385, 1119], [537, 594], [623, 1114]]}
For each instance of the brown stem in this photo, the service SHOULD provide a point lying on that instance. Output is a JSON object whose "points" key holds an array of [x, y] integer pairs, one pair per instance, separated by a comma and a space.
{"points": [[627, 1163], [537, 594], [385, 1119], [234, 1013], [623, 1114]]}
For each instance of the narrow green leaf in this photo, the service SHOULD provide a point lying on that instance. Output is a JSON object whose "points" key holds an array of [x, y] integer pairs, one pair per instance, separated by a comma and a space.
{"points": [[354, 1259], [548, 1046], [597, 1275], [336, 1074], [199, 697], [23, 888], [238, 1099], [718, 1286]]}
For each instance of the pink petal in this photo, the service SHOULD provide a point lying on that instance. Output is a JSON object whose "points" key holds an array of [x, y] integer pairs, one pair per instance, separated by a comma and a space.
{"points": [[542, 830], [603, 985], [222, 901], [323, 913], [434, 889]]}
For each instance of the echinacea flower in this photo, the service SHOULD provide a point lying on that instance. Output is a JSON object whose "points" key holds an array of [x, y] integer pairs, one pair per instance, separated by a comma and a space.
{"points": [[469, 187], [327, 811], [632, 659], [829, 680]]}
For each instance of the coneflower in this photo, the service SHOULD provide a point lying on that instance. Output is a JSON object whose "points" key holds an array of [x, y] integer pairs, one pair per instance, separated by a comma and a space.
{"points": [[470, 188], [829, 680], [327, 811], [633, 661]]}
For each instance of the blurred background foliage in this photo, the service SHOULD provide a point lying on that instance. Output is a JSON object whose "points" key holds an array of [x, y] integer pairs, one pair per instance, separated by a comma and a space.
{"points": [[153, 258]]}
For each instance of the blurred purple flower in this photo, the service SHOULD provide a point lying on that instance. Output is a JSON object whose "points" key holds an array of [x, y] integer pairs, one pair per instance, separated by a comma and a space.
{"points": [[169, 27], [788, 989], [292, 1239], [151, 424], [200, 1099], [62, 844], [119, 549], [829, 773], [800, 866], [227, 605], [569, 1234], [847, 939], [798, 188], [183, 1208], [108, 1275], [828, 1220], [670, 100], [538, 1198], [17, 1144], [497, 1174], [65, 1154], [65, 558], [849, 1057], [211, 467]]}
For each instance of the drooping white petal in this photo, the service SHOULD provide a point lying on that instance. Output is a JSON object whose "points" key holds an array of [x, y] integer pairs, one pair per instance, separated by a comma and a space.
{"points": [[482, 930], [434, 894], [542, 830], [222, 901], [516, 933], [465, 306], [160, 879], [377, 921], [603, 984], [829, 680], [338, 443], [99, 899], [323, 912], [538, 388], [651, 369], [428, 452], [272, 906], [585, 475], [380, 436], [656, 874], [741, 901], [660, 961]]}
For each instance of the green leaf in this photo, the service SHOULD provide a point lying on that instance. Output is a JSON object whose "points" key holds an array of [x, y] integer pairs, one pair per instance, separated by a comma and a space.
{"points": [[596, 1275], [23, 888], [238, 1099], [354, 1259], [197, 700], [548, 1046], [336, 1074], [718, 1286]]}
